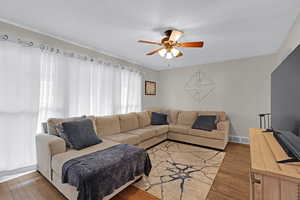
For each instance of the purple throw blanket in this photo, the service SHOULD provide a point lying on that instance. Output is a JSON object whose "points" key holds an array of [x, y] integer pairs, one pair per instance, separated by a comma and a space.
{"points": [[98, 174]]}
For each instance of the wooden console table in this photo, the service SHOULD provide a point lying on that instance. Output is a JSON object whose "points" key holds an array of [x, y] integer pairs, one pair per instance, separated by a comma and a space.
{"points": [[268, 179]]}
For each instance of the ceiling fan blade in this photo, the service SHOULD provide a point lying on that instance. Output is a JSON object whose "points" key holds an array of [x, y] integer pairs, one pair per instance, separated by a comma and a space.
{"points": [[155, 51], [175, 35], [179, 54], [148, 42], [191, 44]]}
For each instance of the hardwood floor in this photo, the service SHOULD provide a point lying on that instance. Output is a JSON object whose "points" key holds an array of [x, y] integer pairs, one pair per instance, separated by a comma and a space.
{"points": [[231, 183]]}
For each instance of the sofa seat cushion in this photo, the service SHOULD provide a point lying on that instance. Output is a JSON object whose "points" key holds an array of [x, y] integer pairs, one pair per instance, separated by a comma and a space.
{"points": [[129, 122], [58, 160], [143, 133], [214, 134], [124, 138], [159, 129], [179, 128]]}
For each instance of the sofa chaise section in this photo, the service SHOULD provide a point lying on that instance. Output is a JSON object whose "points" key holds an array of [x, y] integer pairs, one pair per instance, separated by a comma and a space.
{"points": [[58, 161], [52, 154]]}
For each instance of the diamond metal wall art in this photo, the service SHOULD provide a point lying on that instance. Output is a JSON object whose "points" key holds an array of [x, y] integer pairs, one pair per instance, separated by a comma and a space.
{"points": [[199, 86]]}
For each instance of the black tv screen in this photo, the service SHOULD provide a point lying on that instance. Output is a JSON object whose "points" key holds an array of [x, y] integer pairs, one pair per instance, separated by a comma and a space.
{"points": [[290, 144], [285, 94]]}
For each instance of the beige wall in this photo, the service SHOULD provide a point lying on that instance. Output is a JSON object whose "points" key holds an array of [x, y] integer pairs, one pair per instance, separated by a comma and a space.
{"points": [[151, 101], [242, 90], [17, 32]]}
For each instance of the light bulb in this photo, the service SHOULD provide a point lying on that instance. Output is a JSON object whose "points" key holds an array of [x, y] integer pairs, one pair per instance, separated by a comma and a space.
{"points": [[162, 52], [175, 52], [169, 55]]}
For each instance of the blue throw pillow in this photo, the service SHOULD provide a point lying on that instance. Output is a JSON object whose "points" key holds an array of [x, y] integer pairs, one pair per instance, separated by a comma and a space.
{"points": [[159, 118], [205, 122], [80, 133]]}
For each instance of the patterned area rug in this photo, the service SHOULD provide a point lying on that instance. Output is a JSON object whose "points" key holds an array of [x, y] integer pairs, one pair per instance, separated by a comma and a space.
{"points": [[181, 171]]}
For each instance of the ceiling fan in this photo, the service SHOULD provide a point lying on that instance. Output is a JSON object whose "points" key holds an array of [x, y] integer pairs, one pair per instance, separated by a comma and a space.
{"points": [[169, 43]]}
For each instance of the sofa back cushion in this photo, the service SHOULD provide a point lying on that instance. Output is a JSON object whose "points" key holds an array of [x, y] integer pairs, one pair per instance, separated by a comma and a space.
{"points": [[153, 110], [221, 115], [187, 118], [93, 118], [144, 119], [53, 122], [108, 125], [172, 116], [129, 122]]}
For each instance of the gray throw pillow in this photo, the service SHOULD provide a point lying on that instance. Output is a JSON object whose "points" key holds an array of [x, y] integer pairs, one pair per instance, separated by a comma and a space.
{"points": [[205, 122], [79, 134], [44, 127], [159, 118], [52, 123], [60, 130]]}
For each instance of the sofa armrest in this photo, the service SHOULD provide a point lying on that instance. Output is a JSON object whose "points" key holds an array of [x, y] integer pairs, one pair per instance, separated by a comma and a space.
{"points": [[223, 126], [46, 147]]}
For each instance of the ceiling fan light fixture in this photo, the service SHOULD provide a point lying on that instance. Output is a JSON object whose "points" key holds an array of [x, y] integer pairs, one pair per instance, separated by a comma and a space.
{"points": [[175, 52], [162, 52], [169, 43], [169, 55]]}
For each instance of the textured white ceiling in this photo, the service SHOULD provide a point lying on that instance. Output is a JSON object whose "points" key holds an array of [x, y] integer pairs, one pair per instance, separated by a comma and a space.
{"points": [[231, 29]]}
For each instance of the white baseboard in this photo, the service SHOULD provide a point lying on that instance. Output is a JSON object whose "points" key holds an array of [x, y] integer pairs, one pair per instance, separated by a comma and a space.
{"points": [[5, 176], [239, 139]]}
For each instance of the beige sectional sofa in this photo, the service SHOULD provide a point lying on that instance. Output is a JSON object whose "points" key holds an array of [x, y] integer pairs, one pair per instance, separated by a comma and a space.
{"points": [[132, 128]]}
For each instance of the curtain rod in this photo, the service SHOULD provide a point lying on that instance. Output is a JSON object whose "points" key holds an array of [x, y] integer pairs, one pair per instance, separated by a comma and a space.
{"points": [[45, 47]]}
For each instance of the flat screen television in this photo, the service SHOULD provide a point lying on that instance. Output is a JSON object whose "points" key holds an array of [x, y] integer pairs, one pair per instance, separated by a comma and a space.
{"points": [[285, 95], [290, 144]]}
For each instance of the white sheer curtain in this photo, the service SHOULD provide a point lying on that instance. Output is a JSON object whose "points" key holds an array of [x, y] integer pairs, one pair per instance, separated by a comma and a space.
{"points": [[72, 87], [105, 89], [53, 80], [131, 93], [19, 106]]}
